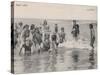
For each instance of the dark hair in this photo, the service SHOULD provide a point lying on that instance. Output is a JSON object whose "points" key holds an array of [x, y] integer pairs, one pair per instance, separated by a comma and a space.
{"points": [[26, 26], [32, 26], [91, 26], [56, 24], [20, 23], [77, 25], [62, 28], [74, 21]]}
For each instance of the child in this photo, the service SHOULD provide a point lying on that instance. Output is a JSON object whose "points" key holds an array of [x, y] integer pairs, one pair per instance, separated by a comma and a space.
{"points": [[75, 30], [62, 35], [37, 39], [27, 47], [26, 32], [92, 34], [56, 28], [46, 45], [54, 39]]}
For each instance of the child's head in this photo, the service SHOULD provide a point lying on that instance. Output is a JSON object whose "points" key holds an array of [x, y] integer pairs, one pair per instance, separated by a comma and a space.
{"points": [[91, 26], [27, 42], [20, 24], [37, 29], [77, 26], [56, 25], [62, 29], [32, 26], [26, 27], [74, 22]]}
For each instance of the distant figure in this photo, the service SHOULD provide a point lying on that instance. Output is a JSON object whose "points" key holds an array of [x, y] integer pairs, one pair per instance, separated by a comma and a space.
{"points": [[46, 36], [54, 39], [26, 32], [62, 35], [45, 26], [16, 35], [75, 30], [56, 35], [37, 37], [46, 45], [32, 28], [27, 47], [56, 28], [92, 35], [20, 24], [20, 27], [46, 30], [54, 43]]}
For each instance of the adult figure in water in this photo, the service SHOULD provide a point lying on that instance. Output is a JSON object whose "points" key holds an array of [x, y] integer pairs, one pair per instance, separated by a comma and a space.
{"points": [[75, 30]]}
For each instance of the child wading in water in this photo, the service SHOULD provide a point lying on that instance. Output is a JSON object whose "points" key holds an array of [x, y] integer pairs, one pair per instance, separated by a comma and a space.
{"points": [[27, 47], [92, 40], [92, 35], [25, 33], [75, 30], [54, 40], [62, 35]]}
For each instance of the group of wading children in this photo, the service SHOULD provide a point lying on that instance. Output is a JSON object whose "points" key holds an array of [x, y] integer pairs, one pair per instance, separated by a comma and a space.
{"points": [[41, 38], [45, 40]]}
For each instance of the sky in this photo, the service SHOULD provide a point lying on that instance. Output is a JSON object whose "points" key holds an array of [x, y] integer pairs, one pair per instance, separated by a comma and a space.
{"points": [[54, 11]]}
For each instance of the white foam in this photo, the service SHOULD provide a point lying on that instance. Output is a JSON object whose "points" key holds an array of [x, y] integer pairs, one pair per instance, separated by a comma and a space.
{"points": [[76, 44]]}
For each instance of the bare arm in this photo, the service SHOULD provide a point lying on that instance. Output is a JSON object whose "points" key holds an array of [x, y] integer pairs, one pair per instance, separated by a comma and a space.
{"points": [[20, 50]]}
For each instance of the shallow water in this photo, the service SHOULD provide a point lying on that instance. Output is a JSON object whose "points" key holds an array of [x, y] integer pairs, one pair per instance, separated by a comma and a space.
{"points": [[65, 59], [74, 57]]}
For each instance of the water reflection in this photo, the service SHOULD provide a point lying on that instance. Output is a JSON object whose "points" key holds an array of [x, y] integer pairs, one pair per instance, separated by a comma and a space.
{"points": [[75, 57], [92, 59], [62, 60]]}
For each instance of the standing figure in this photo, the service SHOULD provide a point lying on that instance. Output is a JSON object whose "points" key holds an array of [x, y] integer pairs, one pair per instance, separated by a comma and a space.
{"points": [[75, 30], [92, 40], [32, 28], [56, 34], [37, 38], [26, 32], [62, 35], [46, 44], [56, 28], [32, 33], [19, 29], [27, 47], [54, 43], [46, 36], [92, 35], [46, 30]]}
